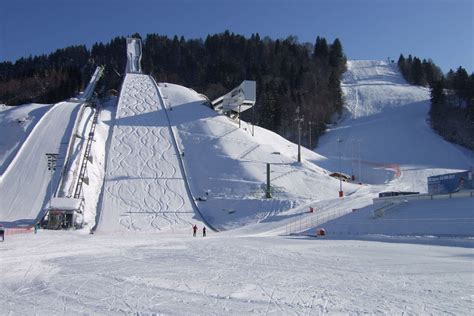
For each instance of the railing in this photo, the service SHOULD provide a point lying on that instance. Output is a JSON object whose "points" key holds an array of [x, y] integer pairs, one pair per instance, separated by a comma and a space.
{"points": [[381, 211], [85, 159], [18, 231], [71, 143], [309, 222]]}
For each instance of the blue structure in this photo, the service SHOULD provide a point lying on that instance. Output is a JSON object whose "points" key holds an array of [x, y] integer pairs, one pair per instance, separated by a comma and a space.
{"points": [[450, 183]]}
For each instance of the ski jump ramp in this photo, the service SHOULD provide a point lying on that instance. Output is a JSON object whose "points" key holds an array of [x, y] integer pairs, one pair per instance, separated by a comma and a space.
{"points": [[25, 185], [134, 55], [144, 188]]}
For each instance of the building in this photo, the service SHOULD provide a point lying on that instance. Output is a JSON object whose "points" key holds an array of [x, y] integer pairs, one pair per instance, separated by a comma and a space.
{"points": [[64, 213]]}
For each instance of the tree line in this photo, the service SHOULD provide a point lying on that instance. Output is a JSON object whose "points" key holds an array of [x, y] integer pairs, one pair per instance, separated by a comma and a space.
{"points": [[452, 98], [288, 74]]}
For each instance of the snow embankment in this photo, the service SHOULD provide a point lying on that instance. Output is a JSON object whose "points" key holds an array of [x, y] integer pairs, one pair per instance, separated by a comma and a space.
{"points": [[439, 218], [25, 185], [384, 137], [226, 165], [16, 124]]}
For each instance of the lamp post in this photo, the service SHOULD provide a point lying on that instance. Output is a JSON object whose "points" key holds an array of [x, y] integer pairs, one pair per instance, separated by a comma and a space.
{"points": [[341, 193], [51, 167], [299, 119]]}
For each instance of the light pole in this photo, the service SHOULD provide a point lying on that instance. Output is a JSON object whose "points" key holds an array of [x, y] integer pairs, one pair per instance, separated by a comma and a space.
{"points": [[341, 193], [299, 120], [253, 120], [51, 167]]}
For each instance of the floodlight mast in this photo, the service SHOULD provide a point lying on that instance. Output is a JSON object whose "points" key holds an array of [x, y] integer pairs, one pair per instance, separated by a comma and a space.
{"points": [[299, 120], [51, 157]]}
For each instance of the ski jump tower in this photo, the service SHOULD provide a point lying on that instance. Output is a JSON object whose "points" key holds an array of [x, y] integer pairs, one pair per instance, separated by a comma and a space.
{"points": [[237, 100], [134, 55]]}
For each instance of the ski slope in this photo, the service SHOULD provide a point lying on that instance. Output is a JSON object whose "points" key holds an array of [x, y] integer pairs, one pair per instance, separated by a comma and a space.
{"points": [[16, 123], [431, 219], [144, 189], [25, 184], [226, 165], [384, 134], [58, 272]]}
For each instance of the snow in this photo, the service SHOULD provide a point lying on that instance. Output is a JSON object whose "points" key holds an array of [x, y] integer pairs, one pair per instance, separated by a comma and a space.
{"points": [[25, 183], [144, 188], [16, 123], [162, 146], [96, 169], [229, 164], [428, 218], [69, 204], [385, 127], [142, 273]]}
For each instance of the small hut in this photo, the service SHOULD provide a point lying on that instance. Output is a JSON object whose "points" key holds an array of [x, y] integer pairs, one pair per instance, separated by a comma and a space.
{"points": [[65, 213]]}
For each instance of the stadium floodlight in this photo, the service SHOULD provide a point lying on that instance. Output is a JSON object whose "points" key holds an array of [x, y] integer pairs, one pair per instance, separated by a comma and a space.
{"points": [[51, 160], [299, 119]]}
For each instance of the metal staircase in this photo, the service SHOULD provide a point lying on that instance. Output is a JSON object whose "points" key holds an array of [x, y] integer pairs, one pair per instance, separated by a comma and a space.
{"points": [[85, 158]]}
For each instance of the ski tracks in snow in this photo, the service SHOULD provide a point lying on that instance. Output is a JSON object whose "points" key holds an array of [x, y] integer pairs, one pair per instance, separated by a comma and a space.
{"points": [[144, 188]]}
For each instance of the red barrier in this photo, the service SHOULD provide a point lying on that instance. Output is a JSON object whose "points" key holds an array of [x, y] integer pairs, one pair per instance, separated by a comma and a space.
{"points": [[18, 231]]}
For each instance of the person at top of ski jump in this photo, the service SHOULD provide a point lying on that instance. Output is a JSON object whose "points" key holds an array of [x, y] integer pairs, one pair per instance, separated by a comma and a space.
{"points": [[195, 228], [204, 231]]}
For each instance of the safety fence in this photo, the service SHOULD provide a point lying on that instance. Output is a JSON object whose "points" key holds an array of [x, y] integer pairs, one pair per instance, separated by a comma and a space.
{"points": [[310, 222], [18, 231]]}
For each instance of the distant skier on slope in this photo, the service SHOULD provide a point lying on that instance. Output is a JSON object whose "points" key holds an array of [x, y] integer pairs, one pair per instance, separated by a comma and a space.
{"points": [[195, 228], [204, 231]]}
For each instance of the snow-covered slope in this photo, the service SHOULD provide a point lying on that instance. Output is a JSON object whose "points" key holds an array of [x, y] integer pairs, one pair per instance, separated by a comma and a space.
{"points": [[229, 164], [144, 188], [16, 123], [385, 134], [440, 218], [25, 183]]}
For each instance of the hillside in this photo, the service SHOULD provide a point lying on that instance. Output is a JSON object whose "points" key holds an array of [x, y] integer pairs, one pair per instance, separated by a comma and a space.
{"points": [[385, 133]]}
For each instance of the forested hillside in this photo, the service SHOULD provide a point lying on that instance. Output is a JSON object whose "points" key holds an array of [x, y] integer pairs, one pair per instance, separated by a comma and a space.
{"points": [[452, 98], [288, 74]]}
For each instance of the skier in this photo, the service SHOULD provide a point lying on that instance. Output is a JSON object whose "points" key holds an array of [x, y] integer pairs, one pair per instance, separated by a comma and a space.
{"points": [[2, 232], [204, 231], [195, 228]]}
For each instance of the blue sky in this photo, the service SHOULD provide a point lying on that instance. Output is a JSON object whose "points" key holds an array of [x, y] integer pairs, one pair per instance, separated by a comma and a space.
{"points": [[369, 29]]}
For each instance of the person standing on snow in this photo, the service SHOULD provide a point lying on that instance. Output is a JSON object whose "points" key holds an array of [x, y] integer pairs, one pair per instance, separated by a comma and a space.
{"points": [[2, 232], [195, 228], [204, 231]]}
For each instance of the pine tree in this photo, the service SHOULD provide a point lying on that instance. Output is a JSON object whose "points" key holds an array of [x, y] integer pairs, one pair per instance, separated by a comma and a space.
{"points": [[321, 49]]}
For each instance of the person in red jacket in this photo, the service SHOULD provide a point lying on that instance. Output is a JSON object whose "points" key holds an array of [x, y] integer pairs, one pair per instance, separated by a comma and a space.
{"points": [[195, 228]]}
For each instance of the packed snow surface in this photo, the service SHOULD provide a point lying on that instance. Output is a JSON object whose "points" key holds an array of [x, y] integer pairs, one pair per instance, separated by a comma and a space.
{"points": [[144, 188], [64, 273], [434, 218], [16, 123], [25, 184]]}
